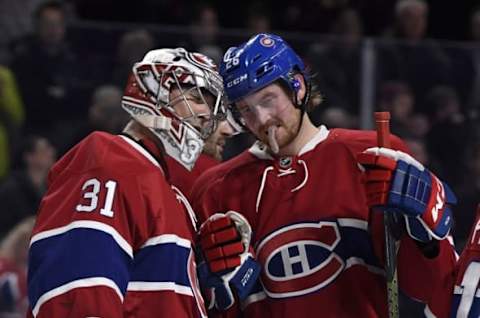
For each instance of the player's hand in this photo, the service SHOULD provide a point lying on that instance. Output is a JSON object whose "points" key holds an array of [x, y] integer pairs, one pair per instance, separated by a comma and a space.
{"points": [[227, 267], [221, 241], [396, 181]]}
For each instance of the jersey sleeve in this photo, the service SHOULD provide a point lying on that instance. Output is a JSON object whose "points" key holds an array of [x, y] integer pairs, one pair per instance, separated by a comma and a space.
{"points": [[82, 246], [461, 296], [203, 196]]}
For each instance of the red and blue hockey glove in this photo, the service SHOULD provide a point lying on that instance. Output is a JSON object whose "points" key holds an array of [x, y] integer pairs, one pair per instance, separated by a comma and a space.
{"points": [[227, 267], [398, 182]]}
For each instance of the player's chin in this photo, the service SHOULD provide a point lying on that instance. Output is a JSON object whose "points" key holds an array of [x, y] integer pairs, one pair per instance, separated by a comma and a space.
{"points": [[218, 152], [284, 137]]}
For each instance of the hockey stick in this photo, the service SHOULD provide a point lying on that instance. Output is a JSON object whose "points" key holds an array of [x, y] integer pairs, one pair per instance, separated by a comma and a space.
{"points": [[382, 120]]}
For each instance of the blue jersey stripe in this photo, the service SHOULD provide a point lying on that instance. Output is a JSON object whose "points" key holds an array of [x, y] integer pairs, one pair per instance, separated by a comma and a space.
{"points": [[356, 243], [166, 262], [74, 255]]}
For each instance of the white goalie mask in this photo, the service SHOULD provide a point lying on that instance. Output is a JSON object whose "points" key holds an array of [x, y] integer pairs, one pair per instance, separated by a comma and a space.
{"points": [[178, 95]]}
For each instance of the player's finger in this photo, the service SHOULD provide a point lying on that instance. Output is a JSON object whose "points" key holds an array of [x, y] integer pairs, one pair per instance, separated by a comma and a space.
{"points": [[235, 248], [224, 264], [216, 225], [219, 238]]}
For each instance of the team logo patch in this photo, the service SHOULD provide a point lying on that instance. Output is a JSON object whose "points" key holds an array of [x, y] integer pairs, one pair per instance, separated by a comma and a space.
{"points": [[300, 259], [202, 60], [285, 162], [267, 42]]}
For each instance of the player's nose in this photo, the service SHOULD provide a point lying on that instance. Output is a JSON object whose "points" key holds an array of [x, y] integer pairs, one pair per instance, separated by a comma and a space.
{"points": [[225, 128], [262, 116]]}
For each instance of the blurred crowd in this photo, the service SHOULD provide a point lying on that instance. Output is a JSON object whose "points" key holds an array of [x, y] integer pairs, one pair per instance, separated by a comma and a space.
{"points": [[63, 65]]}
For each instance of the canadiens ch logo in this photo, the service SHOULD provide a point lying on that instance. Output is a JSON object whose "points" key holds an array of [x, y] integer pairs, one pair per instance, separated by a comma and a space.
{"points": [[300, 259]]}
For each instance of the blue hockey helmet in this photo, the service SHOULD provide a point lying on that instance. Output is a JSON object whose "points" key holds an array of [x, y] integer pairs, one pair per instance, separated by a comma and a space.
{"points": [[260, 61]]}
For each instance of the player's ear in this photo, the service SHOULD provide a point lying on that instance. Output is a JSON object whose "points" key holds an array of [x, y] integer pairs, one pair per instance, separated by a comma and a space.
{"points": [[302, 87]]}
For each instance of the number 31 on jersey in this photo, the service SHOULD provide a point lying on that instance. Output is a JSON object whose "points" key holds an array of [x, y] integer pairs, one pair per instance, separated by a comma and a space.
{"points": [[91, 189]]}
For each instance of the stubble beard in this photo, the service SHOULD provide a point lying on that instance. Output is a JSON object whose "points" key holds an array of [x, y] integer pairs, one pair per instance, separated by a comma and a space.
{"points": [[285, 132]]}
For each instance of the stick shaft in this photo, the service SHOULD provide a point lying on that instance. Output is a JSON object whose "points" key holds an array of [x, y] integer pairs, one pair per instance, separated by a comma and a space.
{"points": [[382, 121]]}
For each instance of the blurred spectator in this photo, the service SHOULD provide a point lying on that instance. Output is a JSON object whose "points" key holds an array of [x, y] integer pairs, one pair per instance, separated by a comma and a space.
{"points": [[47, 72], [411, 20], [474, 65], [468, 194], [132, 48], [308, 15], [409, 57], [336, 61], [13, 269], [104, 114], [348, 27], [21, 192], [336, 117], [398, 99], [204, 32], [15, 22], [449, 134], [205, 26], [258, 21], [419, 151], [419, 125], [11, 118]]}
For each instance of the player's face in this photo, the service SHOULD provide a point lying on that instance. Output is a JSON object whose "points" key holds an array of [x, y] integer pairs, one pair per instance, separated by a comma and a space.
{"points": [[270, 106], [193, 106], [215, 144]]}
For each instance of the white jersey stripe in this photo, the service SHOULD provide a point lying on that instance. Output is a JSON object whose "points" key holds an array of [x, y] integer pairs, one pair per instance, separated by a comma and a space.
{"points": [[160, 286], [94, 225], [253, 298], [167, 238], [359, 261], [356, 223], [87, 282], [428, 313]]}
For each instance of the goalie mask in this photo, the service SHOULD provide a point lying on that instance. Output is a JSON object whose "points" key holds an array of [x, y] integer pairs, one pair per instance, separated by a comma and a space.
{"points": [[178, 95]]}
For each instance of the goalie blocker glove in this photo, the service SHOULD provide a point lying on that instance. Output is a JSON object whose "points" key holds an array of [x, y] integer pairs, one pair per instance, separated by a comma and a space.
{"points": [[396, 181], [227, 266]]}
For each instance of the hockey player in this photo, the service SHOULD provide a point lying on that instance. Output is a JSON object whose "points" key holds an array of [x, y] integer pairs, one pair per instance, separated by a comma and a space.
{"points": [[114, 238], [307, 193]]}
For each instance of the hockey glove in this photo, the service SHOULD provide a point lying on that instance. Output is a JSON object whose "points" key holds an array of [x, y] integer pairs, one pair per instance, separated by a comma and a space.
{"points": [[396, 181], [227, 267]]}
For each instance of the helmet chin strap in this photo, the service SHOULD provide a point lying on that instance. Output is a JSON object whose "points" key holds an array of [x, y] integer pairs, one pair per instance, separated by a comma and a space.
{"points": [[187, 153], [302, 105], [155, 122]]}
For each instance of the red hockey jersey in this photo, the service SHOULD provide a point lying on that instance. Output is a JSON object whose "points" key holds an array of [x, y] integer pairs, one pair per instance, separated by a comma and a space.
{"points": [[13, 289], [184, 179], [112, 238], [466, 286], [320, 247]]}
